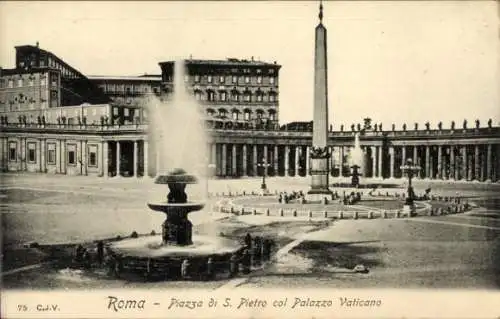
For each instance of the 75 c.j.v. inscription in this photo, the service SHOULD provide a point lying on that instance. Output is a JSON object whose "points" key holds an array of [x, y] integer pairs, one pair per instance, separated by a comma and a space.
{"points": [[118, 304]]}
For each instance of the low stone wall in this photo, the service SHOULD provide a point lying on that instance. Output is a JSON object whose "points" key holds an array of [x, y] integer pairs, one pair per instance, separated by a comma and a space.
{"points": [[453, 205]]}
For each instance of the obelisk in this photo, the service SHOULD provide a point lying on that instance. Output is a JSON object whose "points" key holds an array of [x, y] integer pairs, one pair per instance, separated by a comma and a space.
{"points": [[320, 154]]}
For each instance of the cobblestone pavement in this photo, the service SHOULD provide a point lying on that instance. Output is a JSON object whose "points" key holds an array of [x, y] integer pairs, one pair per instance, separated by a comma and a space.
{"points": [[440, 251]]}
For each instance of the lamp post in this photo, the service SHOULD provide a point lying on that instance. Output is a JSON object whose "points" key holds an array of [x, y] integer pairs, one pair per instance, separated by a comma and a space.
{"points": [[411, 170], [264, 165]]}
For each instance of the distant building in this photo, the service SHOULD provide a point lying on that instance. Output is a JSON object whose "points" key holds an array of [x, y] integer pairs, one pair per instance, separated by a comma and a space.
{"points": [[41, 80], [240, 90], [53, 121], [130, 91]]}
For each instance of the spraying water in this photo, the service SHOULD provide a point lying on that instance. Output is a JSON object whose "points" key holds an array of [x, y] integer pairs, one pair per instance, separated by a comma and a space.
{"points": [[357, 154], [177, 129]]}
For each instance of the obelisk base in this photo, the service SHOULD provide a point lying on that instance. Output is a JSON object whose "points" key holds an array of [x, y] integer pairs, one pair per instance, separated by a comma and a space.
{"points": [[319, 179]]}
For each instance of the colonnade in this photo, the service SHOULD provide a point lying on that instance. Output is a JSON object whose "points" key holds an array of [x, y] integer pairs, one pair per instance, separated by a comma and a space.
{"points": [[134, 156], [480, 162]]}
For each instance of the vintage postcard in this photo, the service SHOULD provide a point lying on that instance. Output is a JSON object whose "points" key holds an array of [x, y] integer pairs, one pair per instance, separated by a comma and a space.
{"points": [[250, 159]]}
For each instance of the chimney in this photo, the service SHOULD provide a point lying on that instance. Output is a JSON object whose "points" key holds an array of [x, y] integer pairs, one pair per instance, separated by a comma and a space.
{"points": [[37, 44]]}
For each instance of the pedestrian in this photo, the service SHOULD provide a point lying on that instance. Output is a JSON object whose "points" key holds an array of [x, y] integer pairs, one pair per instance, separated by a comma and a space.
{"points": [[100, 252], [118, 267], [246, 261], [233, 265], [86, 259], [210, 269], [79, 254], [248, 241], [266, 250], [185, 268], [257, 251]]}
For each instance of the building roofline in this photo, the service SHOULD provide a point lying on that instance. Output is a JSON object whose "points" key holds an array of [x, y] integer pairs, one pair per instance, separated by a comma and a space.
{"points": [[36, 47], [227, 62], [125, 77]]}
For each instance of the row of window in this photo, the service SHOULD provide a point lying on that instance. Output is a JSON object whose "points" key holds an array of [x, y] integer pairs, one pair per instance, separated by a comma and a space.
{"points": [[128, 89], [29, 82], [235, 96], [18, 106], [126, 112], [51, 153], [247, 114], [53, 63], [230, 79]]}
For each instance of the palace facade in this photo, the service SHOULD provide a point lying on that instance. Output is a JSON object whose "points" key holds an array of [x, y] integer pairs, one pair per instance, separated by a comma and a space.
{"points": [[236, 89], [105, 132]]}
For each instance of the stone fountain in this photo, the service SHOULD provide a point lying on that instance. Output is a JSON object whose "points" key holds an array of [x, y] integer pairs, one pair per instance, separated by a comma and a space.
{"points": [[177, 229], [164, 254]]}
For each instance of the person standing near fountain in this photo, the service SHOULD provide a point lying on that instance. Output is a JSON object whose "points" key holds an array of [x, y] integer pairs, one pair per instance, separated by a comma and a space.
{"points": [[320, 164]]}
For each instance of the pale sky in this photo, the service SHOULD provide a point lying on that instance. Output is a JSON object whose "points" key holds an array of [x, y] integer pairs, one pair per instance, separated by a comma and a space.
{"points": [[392, 61]]}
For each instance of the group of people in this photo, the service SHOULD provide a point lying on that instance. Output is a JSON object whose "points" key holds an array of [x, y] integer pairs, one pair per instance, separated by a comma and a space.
{"points": [[256, 251], [285, 198], [352, 199], [83, 258]]}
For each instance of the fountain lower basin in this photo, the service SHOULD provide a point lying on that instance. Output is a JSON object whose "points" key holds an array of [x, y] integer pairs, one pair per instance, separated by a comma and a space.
{"points": [[152, 247]]}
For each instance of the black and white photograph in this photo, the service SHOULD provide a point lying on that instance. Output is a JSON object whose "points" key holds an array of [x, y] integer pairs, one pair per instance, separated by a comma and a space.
{"points": [[203, 148]]}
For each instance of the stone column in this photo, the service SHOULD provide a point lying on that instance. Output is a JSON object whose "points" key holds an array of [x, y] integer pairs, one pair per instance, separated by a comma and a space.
{"points": [[118, 159], [308, 159], [482, 161], [43, 151], [224, 160], [403, 154], [213, 154], [146, 157], [244, 160], [136, 158], [265, 160], [83, 152], [464, 162], [234, 162], [255, 160], [287, 160], [476, 162], [391, 168], [427, 162], [276, 160], [63, 156], [39, 155], [415, 158], [489, 163], [297, 160], [341, 161], [452, 163], [105, 164], [496, 174], [440, 163], [470, 168], [374, 161], [379, 161]]}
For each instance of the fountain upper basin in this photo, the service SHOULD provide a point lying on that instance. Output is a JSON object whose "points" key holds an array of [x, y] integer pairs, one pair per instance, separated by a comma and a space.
{"points": [[166, 207]]}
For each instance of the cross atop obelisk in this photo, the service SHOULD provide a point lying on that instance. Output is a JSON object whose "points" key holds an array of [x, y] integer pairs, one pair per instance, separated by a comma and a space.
{"points": [[320, 154]]}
